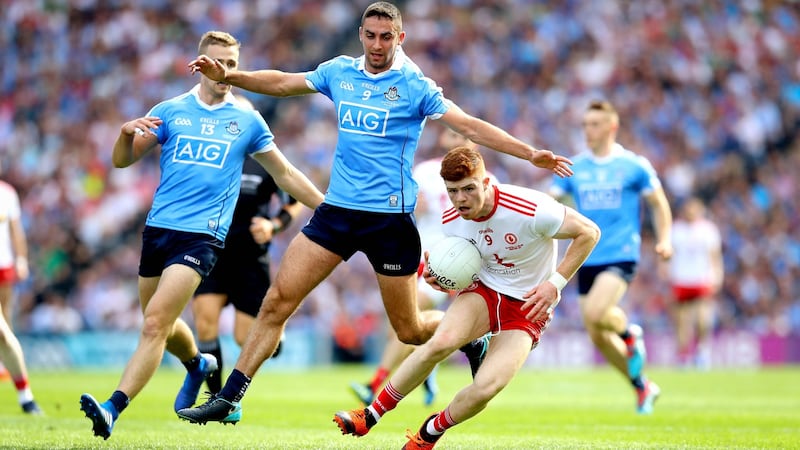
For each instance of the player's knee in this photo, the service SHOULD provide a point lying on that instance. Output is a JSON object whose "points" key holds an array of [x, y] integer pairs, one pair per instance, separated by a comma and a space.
{"points": [[593, 317], [439, 347], [153, 328], [486, 388], [206, 328], [275, 308]]}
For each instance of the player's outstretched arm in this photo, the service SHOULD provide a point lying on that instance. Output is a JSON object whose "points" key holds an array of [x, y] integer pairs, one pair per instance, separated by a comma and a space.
{"points": [[289, 178], [269, 82], [484, 133]]}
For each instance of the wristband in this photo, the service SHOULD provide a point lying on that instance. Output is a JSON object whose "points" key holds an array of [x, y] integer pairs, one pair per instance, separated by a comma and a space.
{"points": [[558, 280], [285, 219]]}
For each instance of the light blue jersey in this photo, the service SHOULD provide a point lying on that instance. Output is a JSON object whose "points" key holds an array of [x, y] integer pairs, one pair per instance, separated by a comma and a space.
{"points": [[380, 118], [203, 149], [608, 191]]}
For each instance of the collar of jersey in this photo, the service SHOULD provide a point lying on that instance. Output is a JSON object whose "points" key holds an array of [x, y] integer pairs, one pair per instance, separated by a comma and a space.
{"points": [[195, 91], [616, 150]]}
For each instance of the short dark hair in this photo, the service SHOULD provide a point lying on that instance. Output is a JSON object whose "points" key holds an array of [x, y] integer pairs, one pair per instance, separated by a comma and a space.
{"points": [[384, 10], [604, 106], [601, 105]]}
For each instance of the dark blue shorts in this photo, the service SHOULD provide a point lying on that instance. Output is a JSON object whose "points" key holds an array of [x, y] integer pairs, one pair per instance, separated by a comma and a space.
{"points": [[587, 274], [390, 241], [162, 248], [243, 279]]}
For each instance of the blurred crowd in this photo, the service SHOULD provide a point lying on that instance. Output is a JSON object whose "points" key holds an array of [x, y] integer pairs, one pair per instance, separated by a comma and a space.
{"points": [[708, 91]]}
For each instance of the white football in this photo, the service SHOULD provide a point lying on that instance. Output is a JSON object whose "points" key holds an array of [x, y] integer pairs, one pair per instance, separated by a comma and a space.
{"points": [[455, 262]]}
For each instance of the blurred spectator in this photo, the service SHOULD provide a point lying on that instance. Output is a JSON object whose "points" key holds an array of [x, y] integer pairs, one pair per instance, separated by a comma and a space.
{"points": [[710, 92], [54, 315]]}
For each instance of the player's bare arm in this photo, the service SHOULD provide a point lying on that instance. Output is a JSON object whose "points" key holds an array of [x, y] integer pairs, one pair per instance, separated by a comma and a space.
{"points": [[136, 138], [289, 178], [269, 82], [584, 235], [662, 222], [490, 136]]}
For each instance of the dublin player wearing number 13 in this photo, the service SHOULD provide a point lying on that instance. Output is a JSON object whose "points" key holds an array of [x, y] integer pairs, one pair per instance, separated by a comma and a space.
{"points": [[204, 136], [371, 196]]}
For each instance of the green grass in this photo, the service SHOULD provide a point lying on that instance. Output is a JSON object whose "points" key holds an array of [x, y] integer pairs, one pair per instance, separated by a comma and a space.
{"points": [[551, 409]]}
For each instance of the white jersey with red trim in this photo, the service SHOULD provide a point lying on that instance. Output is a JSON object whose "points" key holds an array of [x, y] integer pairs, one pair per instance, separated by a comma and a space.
{"points": [[515, 240], [9, 210], [693, 245]]}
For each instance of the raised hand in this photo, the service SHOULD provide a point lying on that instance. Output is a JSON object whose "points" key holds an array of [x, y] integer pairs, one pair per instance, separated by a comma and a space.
{"points": [[560, 165], [209, 67]]}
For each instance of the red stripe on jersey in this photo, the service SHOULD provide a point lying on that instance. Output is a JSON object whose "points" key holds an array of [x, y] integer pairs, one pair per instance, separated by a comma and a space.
{"points": [[449, 215], [517, 204]]}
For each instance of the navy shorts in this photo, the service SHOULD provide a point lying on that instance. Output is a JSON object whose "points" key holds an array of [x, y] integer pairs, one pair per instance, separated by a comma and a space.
{"points": [[244, 280], [390, 241], [586, 274], [162, 248]]}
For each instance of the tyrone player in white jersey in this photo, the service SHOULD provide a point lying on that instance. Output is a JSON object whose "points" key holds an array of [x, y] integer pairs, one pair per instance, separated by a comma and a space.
{"points": [[695, 273], [13, 267], [516, 230], [432, 199]]}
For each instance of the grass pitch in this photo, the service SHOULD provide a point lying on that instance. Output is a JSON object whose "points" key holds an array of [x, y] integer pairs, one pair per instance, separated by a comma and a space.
{"points": [[552, 409]]}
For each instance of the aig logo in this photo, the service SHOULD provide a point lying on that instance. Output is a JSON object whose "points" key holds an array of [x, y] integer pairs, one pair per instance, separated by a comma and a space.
{"points": [[360, 119], [204, 152], [183, 121], [601, 196]]}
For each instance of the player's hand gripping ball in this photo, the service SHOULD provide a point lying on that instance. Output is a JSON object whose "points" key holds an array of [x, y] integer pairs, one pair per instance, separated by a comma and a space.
{"points": [[454, 262]]}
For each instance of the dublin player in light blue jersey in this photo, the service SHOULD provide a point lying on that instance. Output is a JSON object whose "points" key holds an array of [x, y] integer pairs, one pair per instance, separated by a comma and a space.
{"points": [[382, 101], [204, 137], [608, 186]]}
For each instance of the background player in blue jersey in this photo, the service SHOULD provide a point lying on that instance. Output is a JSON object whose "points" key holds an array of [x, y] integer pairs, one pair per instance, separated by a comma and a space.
{"points": [[382, 101], [608, 186], [241, 274], [204, 137]]}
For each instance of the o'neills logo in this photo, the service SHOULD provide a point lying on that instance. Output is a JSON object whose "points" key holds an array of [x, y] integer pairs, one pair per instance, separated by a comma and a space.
{"points": [[191, 259], [442, 280], [446, 282]]}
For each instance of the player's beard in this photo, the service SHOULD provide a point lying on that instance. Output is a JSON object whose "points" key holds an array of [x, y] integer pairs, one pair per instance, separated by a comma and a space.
{"points": [[220, 90], [381, 64]]}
